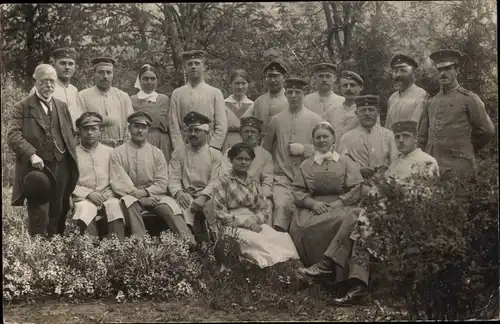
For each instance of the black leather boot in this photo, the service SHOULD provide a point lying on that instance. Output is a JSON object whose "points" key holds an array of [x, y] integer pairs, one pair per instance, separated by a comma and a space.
{"points": [[353, 296], [324, 269]]}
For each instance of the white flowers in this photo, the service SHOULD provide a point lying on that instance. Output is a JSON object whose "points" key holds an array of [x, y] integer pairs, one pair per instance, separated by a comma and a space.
{"points": [[120, 297], [284, 279], [184, 288]]}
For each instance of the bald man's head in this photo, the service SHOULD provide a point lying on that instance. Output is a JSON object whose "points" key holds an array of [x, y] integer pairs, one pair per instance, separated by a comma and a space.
{"points": [[45, 80]]}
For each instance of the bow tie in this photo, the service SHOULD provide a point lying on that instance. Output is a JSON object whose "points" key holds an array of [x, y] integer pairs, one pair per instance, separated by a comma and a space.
{"points": [[329, 156]]}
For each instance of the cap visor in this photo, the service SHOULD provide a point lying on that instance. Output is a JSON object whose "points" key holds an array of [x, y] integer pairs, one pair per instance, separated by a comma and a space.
{"points": [[444, 64]]}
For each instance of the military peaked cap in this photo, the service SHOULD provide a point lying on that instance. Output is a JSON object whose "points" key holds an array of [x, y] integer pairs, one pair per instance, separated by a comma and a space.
{"points": [[400, 60], [324, 67], [140, 117], [103, 60], [251, 121], [194, 118], [65, 52], [349, 75], [366, 101], [445, 57], [275, 66], [409, 126], [194, 54], [295, 83], [88, 118]]}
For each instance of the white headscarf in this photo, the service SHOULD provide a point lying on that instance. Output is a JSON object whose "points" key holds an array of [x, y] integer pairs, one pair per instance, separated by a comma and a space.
{"points": [[331, 155], [143, 95]]}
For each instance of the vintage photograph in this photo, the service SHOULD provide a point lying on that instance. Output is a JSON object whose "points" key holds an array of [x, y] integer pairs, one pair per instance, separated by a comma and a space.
{"points": [[249, 161]]}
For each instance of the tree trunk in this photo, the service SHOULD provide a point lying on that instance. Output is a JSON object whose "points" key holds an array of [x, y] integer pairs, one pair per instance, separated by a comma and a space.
{"points": [[175, 44], [329, 30], [29, 11]]}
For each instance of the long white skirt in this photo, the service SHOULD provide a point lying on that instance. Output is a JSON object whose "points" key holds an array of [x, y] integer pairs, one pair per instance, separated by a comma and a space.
{"points": [[267, 247]]}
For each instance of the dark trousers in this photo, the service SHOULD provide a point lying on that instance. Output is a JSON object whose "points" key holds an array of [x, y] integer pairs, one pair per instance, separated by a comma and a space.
{"points": [[50, 218], [351, 260], [175, 223]]}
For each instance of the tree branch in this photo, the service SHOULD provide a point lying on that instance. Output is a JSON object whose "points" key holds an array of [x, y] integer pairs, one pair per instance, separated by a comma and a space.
{"points": [[329, 30]]}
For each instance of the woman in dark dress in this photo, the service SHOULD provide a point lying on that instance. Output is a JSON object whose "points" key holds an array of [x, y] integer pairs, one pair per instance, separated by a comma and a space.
{"points": [[157, 105], [326, 191]]}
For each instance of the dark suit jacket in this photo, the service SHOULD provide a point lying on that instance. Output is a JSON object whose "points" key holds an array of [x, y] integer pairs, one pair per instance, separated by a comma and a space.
{"points": [[25, 136]]}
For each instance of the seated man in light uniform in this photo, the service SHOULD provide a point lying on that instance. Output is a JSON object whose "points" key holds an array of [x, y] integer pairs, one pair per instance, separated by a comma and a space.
{"points": [[194, 168], [289, 139], [93, 196], [369, 144], [324, 98], [139, 175], [411, 159], [262, 168]]}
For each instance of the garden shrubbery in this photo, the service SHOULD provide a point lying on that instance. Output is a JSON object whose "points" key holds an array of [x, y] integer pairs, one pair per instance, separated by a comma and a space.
{"points": [[439, 244], [78, 267]]}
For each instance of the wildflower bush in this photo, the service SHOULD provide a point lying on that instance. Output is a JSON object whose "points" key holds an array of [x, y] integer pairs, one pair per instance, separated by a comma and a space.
{"points": [[78, 267], [11, 93], [438, 242]]}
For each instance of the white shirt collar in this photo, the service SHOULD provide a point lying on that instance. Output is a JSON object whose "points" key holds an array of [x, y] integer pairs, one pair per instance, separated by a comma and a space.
{"points": [[415, 151], [147, 96], [244, 100], [331, 155], [42, 97]]}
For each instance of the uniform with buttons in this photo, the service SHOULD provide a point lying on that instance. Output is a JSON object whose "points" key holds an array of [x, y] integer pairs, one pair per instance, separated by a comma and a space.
{"points": [[454, 124], [285, 128]]}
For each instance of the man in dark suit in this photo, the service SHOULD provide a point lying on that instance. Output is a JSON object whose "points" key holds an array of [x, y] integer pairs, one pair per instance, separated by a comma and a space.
{"points": [[41, 135]]}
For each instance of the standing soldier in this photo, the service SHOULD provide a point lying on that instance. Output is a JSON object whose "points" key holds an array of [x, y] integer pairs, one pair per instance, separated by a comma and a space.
{"points": [[274, 101], [324, 98], [42, 136], [454, 124], [408, 102], [111, 103], [64, 61], [342, 115], [289, 137], [197, 96]]}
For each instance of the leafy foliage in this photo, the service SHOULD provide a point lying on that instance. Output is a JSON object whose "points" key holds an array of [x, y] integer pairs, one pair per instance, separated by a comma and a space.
{"points": [[438, 242]]}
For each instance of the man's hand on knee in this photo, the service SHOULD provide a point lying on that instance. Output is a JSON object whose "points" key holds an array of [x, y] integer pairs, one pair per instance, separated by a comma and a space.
{"points": [[149, 202], [198, 203]]}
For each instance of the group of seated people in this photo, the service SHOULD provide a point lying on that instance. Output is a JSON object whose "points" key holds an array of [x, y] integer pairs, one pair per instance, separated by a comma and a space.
{"points": [[201, 189], [286, 173]]}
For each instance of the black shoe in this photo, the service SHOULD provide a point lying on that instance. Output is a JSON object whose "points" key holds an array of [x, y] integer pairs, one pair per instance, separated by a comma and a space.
{"points": [[322, 270], [352, 297], [279, 229]]}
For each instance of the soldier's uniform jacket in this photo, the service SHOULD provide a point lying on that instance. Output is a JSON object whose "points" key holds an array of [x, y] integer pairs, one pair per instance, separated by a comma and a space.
{"points": [[454, 125]]}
